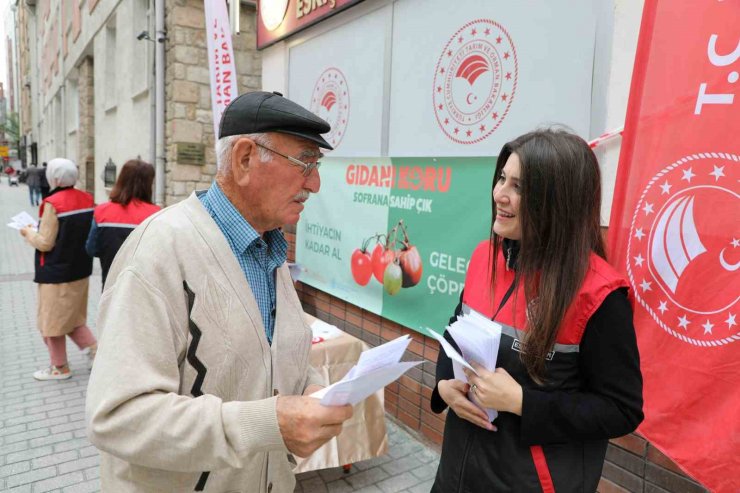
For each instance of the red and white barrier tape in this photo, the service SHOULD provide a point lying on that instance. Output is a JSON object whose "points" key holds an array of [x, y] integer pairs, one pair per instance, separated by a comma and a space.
{"points": [[605, 137]]}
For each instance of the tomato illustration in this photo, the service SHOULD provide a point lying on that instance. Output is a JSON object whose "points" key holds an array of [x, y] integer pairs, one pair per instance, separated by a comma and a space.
{"points": [[411, 266], [362, 267], [380, 260], [392, 278]]}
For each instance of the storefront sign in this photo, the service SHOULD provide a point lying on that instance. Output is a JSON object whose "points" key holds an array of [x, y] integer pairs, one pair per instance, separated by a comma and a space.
{"points": [[278, 19], [394, 235]]}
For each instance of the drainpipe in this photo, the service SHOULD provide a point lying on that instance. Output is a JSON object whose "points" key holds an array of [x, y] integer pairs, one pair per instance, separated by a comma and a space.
{"points": [[152, 97], [160, 36]]}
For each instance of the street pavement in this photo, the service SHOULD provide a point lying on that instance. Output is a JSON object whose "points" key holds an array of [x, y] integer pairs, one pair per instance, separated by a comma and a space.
{"points": [[43, 446]]}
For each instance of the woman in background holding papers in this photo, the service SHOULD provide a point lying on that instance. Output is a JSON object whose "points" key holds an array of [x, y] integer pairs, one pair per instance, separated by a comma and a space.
{"points": [[62, 268], [568, 370]]}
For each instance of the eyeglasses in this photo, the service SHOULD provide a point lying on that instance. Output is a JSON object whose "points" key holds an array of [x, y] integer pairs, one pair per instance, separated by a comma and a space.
{"points": [[307, 167]]}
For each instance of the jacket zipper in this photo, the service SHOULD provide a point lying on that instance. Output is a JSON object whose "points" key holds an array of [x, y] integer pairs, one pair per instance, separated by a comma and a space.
{"points": [[468, 446], [270, 390]]}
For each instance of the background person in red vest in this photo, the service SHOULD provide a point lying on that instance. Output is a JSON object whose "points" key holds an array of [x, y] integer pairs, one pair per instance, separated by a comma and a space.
{"points": [[568, 375], [62, 268], [130, 203]]}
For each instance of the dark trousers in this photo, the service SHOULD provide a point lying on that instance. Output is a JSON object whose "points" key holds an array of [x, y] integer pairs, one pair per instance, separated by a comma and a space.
{"points": [[35, 194]]}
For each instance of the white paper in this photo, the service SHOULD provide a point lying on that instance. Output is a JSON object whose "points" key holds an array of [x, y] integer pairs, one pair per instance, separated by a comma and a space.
{"points": [[478, 339], [376, 368], [383, 355], [452, 353], [21, 220], [322, 331], [361, 387]]}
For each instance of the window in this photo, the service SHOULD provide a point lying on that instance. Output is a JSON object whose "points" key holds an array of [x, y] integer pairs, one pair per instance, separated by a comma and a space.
{"points": [[141, 51], [72, 111], [58, 124], [110, 65]]}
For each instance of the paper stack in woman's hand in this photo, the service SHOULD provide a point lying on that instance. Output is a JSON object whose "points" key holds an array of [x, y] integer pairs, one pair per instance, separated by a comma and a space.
{"points": [[478, 339]]}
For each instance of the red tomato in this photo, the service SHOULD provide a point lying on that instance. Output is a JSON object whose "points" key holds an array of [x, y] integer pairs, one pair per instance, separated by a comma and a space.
{"points": [[361, 267], [411, 266], [380, 259]]}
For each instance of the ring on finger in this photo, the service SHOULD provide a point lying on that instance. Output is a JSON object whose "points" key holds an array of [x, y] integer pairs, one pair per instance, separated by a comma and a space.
{"points": [[474, 388]]}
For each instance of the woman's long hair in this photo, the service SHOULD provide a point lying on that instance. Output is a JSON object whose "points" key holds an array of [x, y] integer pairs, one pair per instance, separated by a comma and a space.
{"points": [[559, 214], [134, 182]]}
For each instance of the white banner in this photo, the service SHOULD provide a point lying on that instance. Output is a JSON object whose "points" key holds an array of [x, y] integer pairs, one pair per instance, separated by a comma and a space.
{"points": [[465, 80], [339, 75], [220, 59]]}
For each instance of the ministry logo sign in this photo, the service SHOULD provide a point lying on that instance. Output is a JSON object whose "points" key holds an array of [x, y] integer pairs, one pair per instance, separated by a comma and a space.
{"points": [[684, 237], [475, 81], [330, 100]]}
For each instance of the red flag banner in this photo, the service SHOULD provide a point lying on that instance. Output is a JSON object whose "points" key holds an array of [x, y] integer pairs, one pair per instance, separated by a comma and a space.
{"points": [[675, 232]]}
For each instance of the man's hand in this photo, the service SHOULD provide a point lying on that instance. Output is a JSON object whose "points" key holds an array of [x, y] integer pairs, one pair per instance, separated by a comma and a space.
{"points": [[306, 425], [454, 393]]}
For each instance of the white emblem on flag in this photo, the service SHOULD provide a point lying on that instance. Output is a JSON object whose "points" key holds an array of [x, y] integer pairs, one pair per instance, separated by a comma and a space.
{"points": [[683, 253], [675, 241]]}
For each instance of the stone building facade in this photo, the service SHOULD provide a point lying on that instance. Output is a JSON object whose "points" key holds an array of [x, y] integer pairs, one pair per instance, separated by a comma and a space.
{"points": [[89, 92], [26, 46], [188, 113]]}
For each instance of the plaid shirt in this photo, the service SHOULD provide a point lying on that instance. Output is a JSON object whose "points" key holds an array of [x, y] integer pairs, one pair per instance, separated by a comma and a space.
{"points": [[257, 257]]}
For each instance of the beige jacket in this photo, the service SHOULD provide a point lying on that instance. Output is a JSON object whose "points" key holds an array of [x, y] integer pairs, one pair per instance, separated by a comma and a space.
{"points": [[61, 307], [145, 410]]}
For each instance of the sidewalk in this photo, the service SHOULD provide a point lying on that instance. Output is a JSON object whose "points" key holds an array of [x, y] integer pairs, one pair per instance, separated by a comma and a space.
{"points": [[42, 437]]}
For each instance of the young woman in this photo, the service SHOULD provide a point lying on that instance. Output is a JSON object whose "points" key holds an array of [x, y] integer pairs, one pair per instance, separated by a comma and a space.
{"points": [[130, 203], [62, 268], [568, 375]]}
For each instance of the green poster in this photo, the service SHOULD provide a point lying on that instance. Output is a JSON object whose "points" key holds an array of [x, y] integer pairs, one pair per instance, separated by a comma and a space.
{"points": [[394, 235]]}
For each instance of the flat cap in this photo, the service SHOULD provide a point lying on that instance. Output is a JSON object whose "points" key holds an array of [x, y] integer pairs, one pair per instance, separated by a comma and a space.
{"points": [[259, 111]]}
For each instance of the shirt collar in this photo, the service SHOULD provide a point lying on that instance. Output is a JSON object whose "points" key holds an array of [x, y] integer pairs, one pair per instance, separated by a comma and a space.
{"points": [[240, 233]]}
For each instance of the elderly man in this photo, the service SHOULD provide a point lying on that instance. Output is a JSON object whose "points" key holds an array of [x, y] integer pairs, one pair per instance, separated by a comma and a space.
{"points": [[202, 373]]}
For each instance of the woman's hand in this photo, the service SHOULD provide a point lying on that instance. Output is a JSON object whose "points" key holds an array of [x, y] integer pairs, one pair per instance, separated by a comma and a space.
{"points": [[454, 393], [495, 390], [26, 230]]}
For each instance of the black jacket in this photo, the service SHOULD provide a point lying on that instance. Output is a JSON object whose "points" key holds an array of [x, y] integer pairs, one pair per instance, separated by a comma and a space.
{"points": [[593, 393]]}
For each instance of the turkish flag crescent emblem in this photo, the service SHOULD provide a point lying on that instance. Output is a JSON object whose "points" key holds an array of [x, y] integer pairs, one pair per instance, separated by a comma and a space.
{"points": [[675, 232]]}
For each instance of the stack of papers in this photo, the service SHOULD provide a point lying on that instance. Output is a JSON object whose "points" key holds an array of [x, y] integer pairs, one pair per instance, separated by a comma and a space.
{"points": [[21, 220], [322, 331], [376, 368], [478, 339]]}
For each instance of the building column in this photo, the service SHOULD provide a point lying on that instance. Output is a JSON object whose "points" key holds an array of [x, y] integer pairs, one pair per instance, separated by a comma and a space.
{"points": [[86, 128]]}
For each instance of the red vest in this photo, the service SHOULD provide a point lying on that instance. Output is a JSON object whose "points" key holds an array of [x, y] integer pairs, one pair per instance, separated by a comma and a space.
{"points": [[601, 279], [133, 214], [573, 466], [67, 261], [115, 222]]}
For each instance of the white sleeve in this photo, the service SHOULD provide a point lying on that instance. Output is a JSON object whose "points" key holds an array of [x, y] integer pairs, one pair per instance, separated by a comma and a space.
{"points": [[133, 408]]}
